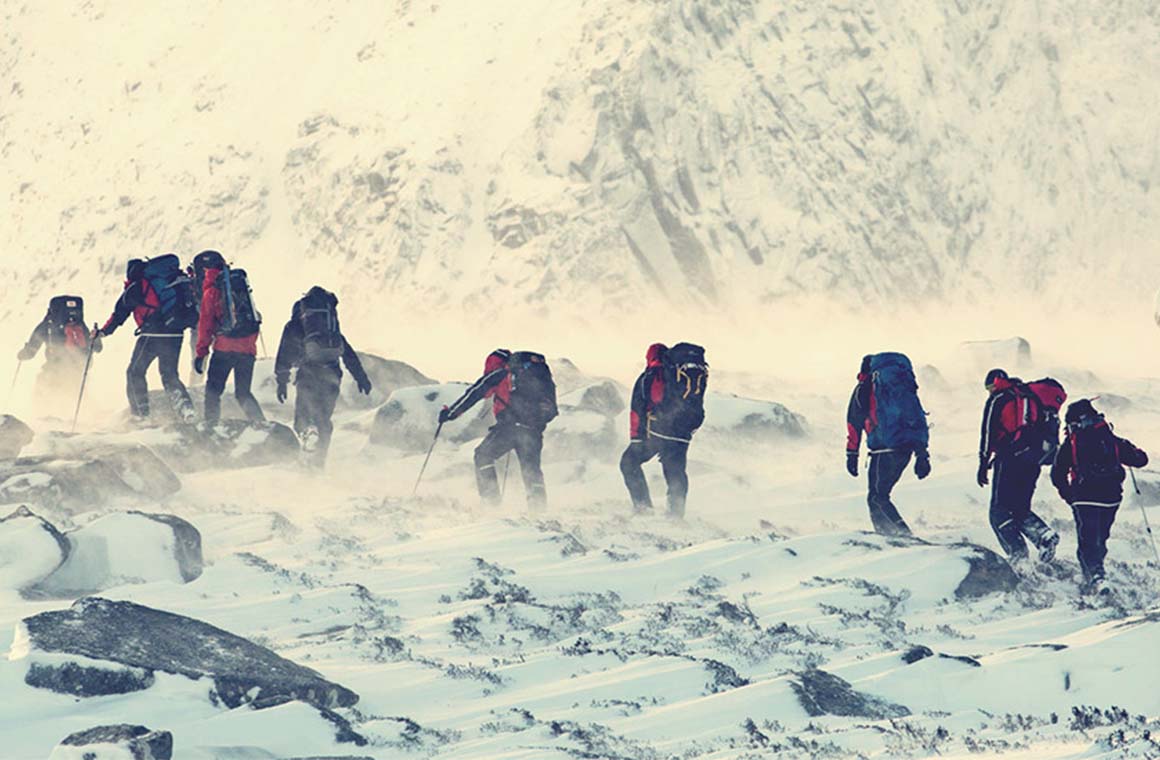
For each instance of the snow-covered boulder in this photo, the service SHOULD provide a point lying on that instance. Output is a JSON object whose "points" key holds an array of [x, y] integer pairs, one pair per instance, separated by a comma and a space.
{"points": [[386, 375], [31, 548], [409, 418], [604, 397], [125, 547], [1011, 354], [116, 742], [79, 476], [14, 436], [98, 645], [582, 434], [751, 420]]}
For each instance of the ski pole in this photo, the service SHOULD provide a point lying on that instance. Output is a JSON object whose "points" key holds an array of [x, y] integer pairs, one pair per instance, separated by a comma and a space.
{"points": [[84, 379], [423, 469], [1144, 512], [507, 464], [15, 377]]}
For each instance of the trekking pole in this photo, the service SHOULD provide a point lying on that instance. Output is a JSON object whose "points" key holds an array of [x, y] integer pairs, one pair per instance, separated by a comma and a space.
{"points": [[15, 377], [1144, 512], [507, 465], [84, 378], [426, 460]]}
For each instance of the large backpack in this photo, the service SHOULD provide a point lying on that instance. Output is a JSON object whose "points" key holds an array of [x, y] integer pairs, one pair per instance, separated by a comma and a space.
{"points": [[176, 299], [1095, 454], [533, 395], [240, 318], [66, 324], [898, 420], [682, 408], [1040, 436], [317, 313]]}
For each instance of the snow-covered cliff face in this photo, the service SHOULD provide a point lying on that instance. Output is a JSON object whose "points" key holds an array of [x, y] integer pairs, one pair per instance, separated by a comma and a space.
{"points": [[592, 156]]}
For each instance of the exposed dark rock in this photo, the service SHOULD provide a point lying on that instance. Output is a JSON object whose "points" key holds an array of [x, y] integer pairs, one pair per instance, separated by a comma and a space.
{"points": [[14, 435], [153, 640], [822, 693], [88, 681], [77, 477], [139, 741], [965, 659], [988, 574], [916, 653]]}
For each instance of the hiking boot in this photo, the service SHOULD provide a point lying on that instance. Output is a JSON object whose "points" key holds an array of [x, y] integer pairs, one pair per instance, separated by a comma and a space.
{"points": [[1098, 587], [1047, 548]]}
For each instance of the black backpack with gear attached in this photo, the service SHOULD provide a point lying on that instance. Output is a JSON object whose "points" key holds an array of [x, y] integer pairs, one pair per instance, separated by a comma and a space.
{"points": [[240, 318], [533, 396], [1095, 453], [317, 313], [682, 410]]}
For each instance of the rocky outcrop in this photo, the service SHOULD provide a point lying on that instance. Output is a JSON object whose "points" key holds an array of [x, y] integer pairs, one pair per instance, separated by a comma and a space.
{"points": [[31, 549], [124, 548], [822, 693], [751, 420], [14, 436], [122, 636], [604, 397], [115, 742], [386, 375], [988, 574]]}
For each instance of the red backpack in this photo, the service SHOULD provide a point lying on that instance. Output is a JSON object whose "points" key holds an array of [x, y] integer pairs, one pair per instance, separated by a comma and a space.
{"points": [[1040, 435]]}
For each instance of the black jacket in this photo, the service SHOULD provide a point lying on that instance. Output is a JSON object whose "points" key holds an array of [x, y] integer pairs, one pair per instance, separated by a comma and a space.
{"points": [[291, 354], [1099, 494]]}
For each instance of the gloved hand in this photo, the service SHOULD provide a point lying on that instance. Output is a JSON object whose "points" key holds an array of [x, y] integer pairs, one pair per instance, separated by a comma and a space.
{"points": [[26, 353], [922, 464], [96, 342], [981, 478], [105, 332], [281, 392], [852, 463], [444, 415], [364, 385], [199, 364]]}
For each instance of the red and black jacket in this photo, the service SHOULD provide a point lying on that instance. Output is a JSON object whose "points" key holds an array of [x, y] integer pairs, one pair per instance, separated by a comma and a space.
{"points": [[1105, 493], [859, 412], [139, 299], [213, 309], [647, 393], [496, 383], [1008, 411]]}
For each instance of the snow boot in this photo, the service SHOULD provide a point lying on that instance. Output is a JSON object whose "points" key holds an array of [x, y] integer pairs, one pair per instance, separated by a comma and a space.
{"points": [[1048, 546]]}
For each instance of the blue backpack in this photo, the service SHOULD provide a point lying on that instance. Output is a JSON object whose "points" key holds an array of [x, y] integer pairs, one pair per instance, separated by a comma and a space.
{"points": [[177, 303], [898, 420]]}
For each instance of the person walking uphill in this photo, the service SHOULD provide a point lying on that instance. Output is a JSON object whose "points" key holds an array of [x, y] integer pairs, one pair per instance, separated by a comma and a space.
{"points": [[229, 322], [312, 342], [885, 405], [523, 398], [160, 297], [67, 342], [1012, 444], [1089, 474], [667, 407]]}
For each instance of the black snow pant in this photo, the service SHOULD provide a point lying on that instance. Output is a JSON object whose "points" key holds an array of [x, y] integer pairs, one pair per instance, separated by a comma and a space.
{"points": [[886, 468], [674, 457], [1093, 525], [317, 393], [166, 349], [1013, 483], [221, 364], [528, 443]]}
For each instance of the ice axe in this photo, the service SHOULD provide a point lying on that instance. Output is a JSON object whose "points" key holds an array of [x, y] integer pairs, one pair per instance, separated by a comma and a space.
{"points": [[1144, 512], [423, 469], [84, 378]]}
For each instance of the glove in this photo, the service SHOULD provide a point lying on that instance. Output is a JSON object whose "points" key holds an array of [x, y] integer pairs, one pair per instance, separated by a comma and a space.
{"points": [[281, 392], [105, 332], [364, 386], [444, 415], [852, 463], [981, 478], [96, 343], [922, 465], [199, 364], [26, 353]]}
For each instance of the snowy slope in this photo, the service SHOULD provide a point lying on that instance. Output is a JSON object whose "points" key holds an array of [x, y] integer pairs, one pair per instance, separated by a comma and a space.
{"points": [[577, 157]]}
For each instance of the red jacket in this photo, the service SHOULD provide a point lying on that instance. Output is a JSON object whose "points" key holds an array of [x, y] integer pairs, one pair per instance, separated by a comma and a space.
{"points": [[210, 319], [648, 392], [139, 299], [496, 384]]}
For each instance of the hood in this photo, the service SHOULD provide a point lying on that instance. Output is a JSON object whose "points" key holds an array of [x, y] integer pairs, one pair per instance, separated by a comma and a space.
{"points": [[655, 354], [1078, 411], [496, 359], [1004, 383]]}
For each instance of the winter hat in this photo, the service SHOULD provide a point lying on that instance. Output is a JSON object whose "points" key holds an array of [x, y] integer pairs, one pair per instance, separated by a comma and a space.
{"points": [[1080, 410], [993, 375]]}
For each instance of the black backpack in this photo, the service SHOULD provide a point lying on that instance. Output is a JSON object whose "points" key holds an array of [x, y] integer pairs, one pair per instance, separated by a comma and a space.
{"points": [[66, 323], [682, 410], [1095, 454], [317, 313], [240, 318], [533, 397]]}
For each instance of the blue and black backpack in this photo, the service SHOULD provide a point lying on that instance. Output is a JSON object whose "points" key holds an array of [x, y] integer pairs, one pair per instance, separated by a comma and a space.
{"points": [[897, 419], [176, 300]]}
